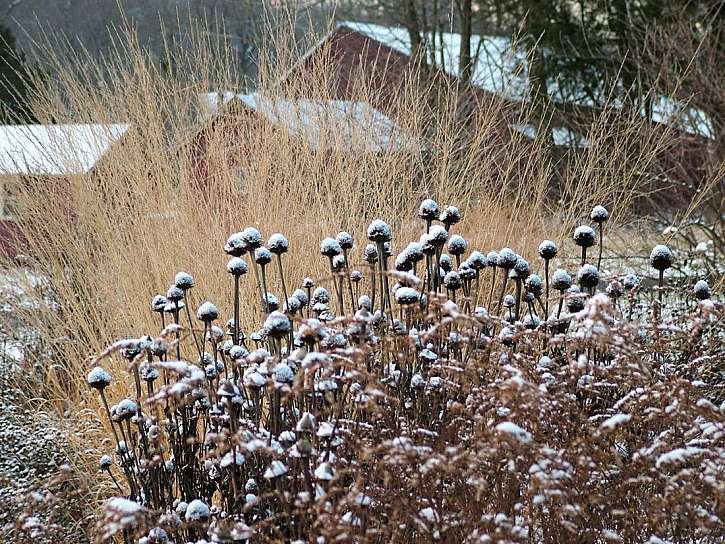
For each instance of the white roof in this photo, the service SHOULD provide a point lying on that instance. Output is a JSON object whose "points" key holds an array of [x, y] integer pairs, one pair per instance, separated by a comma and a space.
{"points": [[55, 150], [503, 70], [324, 124]]}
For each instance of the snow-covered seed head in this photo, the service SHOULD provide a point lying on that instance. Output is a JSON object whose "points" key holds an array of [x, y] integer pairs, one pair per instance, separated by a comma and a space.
{"points": [[509, 301], [548, 250], [158, 536], [271, 301], [184, 281], [522, 268], [561, 280], [237, 266], [329, 247], [599, 214], [428, 209], [293, 305], [356, 276], [661, 258], [631, 281], [534, 285], [457, 245], [207, 312], [584, 236], [235, 246], [306, 424], [148, 373], [450, 216], [277, 325], [406, 296], [282, 373], [308, 283], [506, 258], [614, 289], [492, 259], [588, 276], [437, 236], [370, 254], [278, 244], [364, 302], [300, 295], [262, 256], [126, 409], [105, 462], [575, 300], [344, 239], [174, 294], [252, 238], [99, 378], [379, 231], [415, 252], [159, 303], [466, 272], [477, 260], [452, 281], [402, 263], [320, 295], [426, 245], [197, 511], [446, 263], [701, 290]]}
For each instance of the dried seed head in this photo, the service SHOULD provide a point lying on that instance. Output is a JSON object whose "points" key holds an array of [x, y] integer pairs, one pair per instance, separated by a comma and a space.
{"points": [[379, 231], [105, 462], [237, 266], [457, 245], [561, 280], [661, 258], [548, 250], [148, 373], [329, 247], [278, 244], [522, 267], [99, 378], [402, 263], [506, 258], [701, 290], [466, 272], [477, 260], [450, 216], [300, 295], [158, 303], [184, 281], [509, 301], [175, 293], [308, 283], [197, 511], [631, 281], [452, 281], [575, 300], [338, 263], [370, 254], [320, 295], [428, 209], [306, 424], [282, 373], [356, 276], [277, 325], [588, 276], [492, 259], [406, 296], [599, 214], [364, 303], [293, 305], [344, 239], [415, 252], [614, 289], [446, 263], [235, 246], [207, 312], [262, 256], [534, 285], [252, 238], [126, 409], [584, 236], [437, 236], [271, 301]]}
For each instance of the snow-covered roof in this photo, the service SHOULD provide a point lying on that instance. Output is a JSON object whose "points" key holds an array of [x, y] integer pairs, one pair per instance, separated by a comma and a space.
{"points": [[562, 136], [323, 124], [500, 68], [55, 150]]}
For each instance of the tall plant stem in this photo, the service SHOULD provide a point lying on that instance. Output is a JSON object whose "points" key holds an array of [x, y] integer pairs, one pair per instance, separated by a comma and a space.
{"points": [[281, 276], [546, 276], [264, 288], [191, 325], [236, 310], [601, 245], [490, 294]]}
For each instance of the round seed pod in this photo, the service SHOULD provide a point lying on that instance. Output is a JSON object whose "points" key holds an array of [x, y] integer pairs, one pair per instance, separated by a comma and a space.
{"points": [[426, 245], [450, 216], [477, 260], [466, 272], [184, 281], [575, 300], [356, 276], [631, 281], [548, 250], [701, 290], [492, 259], [364, 302], [584, 236], [278, 244], [457, 245], [370, 254], [171, 307], [320, 295], [428, 209], [661, 258], [308, 283], [237, 266], [126, 409], [235, 246], [534, 285], [105, 462], [158, 303], [402, 263], [262, 256], [344, 239], [561, 280], [614, 289], [588, 276], [174, 294], [379, 231], [452, 281], [599, 214], [406, 296], [272, 302], [282, 373], [197, 511], [329, 247], [207, 312], [437, 236], [293, 305], [522, 267], [446, 263], [252, 238], [300, 295], [509, 301], [99, 378], [158, 536], [338, 263], [148, 373], [415, 252], [506, 258]]}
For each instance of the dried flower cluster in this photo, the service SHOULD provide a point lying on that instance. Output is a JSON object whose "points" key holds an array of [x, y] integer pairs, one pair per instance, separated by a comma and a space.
{"points": [[430, 396]]}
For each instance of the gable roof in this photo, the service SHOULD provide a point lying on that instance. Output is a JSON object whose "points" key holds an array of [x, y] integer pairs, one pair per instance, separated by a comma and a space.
{"points": [[55, 150], [324, 124]]}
